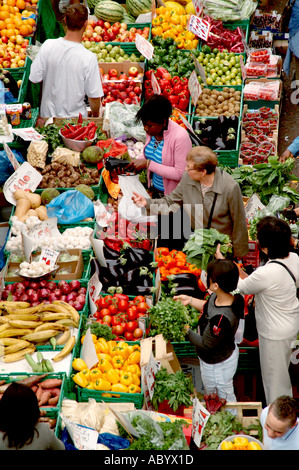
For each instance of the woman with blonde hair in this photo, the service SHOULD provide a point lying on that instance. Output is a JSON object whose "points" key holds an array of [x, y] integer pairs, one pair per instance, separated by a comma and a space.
{"points": [[210, 196]]}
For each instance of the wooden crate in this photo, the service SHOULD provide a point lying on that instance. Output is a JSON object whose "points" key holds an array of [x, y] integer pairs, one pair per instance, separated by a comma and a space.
{"points": [[163, 352], [247, 412]]}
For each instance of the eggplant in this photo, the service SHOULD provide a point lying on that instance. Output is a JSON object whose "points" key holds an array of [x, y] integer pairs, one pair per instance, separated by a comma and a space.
{"points": [[110, 253], [137, 256], [94, 267], [112, 163], [184, 279], [187, 290]]}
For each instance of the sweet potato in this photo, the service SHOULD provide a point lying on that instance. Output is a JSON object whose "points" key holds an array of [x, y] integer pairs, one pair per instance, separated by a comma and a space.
{"points": [[44, 398], [53, 400], [50, 383]]}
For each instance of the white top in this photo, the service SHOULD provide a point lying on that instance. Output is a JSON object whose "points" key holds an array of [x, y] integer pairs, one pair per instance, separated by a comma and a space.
{"points": [[289, 441], [276, 303], [68, 71]]}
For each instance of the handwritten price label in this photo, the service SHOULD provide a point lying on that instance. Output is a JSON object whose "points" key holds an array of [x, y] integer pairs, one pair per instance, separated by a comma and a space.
{"points": [[198, 6], [200, 417], [155, 84], [49, 256], [25, 177], [194, 87], [199, 27], [144, 46]]}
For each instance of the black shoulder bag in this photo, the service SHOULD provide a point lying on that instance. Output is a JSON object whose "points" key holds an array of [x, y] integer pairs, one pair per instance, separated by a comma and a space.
{"points": [[286, 16]]}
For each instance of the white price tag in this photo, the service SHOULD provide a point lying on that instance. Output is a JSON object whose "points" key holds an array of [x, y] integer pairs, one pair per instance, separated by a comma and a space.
{"points": [[49, 256], [144, 46], [28, 134], [25, 177], [155, 84], [199, 27], [47, 228], [83, 438], [11, 157], [200, 417], [94, 289], [150, 371], [198, 6], [194, 87], [28, 244]]}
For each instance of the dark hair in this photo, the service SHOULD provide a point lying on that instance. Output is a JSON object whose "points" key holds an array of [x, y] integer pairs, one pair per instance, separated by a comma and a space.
{"points": [[285, 408], [275, 235], [156, 109], [75, 16], [224, 272], [203, 158], [19, 414]]}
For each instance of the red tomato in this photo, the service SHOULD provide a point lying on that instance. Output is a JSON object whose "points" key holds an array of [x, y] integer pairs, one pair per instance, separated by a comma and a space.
{"points": [[115, 320], [119, 330], [101, 303], [143, 307], [123, 305], [132, 312], [113, 309], [138, 333], [132, 325], [139, 298], [107, 319], [103, 312], [108, 299], [129, 336]]}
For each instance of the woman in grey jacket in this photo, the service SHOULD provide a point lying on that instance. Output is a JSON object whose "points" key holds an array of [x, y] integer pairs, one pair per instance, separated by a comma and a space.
{"points": [[210, 196]]}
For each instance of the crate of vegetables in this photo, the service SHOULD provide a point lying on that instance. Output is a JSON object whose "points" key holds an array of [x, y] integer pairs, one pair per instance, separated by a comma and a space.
{"points": [[115, 378], [49, 388], [230, 36]]}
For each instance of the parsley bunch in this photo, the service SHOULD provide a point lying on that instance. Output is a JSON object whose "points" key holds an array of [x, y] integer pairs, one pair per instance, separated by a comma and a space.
{"points": [[169, 317]]}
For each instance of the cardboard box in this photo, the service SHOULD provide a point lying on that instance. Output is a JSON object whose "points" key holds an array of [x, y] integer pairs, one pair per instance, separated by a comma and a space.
{"points": [[121, 67], [281, 46], [75, 267], [163, 352], [247, 413]]}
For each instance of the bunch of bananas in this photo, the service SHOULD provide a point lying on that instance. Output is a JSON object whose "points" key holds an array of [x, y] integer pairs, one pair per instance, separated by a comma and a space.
{"points": [[22, 328]]}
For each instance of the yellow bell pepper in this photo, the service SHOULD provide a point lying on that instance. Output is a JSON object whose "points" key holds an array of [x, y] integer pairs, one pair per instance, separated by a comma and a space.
{"points": [[95, 374], [118, 362], [112, 376], [135, 369], [242, 441], [90, 386], [121, 350], [119, 388], [165, 26], [136, 379], [111, 344], [157, 31], [134, 358], [189, 35], [254, 446], [133, 388], [102, 384], [227, 445], [104, 365], [104, 356], [126, 378], [103, 346], [80, 379], [78, 364], [175, 19], [160, 10]]}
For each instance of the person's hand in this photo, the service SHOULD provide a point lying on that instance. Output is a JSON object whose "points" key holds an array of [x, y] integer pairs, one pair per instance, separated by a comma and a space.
{"points": [[286, 154], [185, 299], [139, 200], [218, 254], [138, 164]]}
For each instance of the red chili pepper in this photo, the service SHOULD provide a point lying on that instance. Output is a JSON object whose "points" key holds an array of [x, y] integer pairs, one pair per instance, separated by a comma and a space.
{"points": [[80, 119], [91, 133]]}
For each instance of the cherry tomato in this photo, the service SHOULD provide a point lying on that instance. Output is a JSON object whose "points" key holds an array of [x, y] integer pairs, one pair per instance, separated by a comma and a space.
{"points": [[129, 336], [143, 307], [107, 319], [119, 330], [103, 312], [132, 312], [113, 309], [123, 305], [115, 320], [132, 325], [139, 298], [138, 333], [108, 299], [101, 303]]}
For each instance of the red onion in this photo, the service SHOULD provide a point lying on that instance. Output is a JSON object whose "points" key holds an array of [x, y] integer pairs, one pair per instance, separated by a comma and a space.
{"points": [[57, 292], [52, 297], [24, 298], [71, 297], [43, 284], [82, 290], [44, 293], [34, 297], [78, 305], [34, 285], [51, 285], [75, 285]]}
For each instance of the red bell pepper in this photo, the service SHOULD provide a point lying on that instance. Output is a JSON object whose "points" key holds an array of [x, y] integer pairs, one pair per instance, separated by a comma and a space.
{"points": [[167, 92], [183, 104], [147, 84], [174, 99], [176, 80], [164, 83], [148, 93], [177, 89]]}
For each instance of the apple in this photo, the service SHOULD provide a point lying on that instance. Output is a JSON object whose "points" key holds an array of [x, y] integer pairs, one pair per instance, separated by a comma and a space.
{"points": [[133, 71], [112, 73], [21, 63], [6, 64], [4, 39], [107, 24]]}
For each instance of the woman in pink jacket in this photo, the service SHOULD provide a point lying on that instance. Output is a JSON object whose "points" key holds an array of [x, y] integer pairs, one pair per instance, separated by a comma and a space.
{"points": [[166, 147]]}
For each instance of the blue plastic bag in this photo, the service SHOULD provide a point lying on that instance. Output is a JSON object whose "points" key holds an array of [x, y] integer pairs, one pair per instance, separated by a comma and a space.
{"points": [[6, 167], [109, 440], [70, 207]]}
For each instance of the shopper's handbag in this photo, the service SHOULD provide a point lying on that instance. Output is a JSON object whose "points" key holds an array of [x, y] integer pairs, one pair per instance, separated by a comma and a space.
{"points": [[250, 331], [286, 16]]}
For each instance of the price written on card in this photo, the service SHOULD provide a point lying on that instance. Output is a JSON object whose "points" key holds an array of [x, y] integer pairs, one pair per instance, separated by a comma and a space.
{"points": [[198, 6], [194, 87], [25, 177], [199, 27]]}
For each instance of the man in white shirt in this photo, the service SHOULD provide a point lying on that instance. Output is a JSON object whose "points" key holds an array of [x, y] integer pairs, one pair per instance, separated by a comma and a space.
{"points": [[68, 71], [280, 424]]}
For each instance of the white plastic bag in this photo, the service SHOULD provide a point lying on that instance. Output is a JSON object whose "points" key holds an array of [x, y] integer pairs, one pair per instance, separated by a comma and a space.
{"points": [[126, 207]]}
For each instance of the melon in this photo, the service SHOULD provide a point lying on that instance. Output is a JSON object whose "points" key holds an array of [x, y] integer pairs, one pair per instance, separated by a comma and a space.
{"points": [[108, 10], [138, 7]]}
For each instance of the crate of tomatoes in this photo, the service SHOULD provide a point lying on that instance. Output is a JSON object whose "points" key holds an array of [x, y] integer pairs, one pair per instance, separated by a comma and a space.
{"points": [[126, 315]]}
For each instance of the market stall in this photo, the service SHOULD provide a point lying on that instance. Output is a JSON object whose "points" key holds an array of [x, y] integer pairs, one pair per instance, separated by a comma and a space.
{"points": [[86, 293]]}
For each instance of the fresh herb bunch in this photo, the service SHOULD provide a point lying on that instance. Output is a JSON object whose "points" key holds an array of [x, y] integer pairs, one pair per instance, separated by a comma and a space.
{"points": [[202, 244], [101, 331], [51, 136], [222, 425], [176, 388], [169, 317], [156, 436]]}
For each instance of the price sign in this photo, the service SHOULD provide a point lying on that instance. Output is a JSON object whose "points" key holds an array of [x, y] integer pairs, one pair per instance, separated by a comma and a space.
{"points": [[155, 85], [194, 87], [25, 177], [200, 417], [11, 157], [144, 46], [199, 27], [47, 228], [243, 70], [198, 6], [94, 289], [49, 256], [83, 438]]}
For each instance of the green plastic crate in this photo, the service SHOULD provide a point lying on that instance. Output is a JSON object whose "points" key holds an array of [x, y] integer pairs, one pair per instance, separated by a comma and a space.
{"points": [[248, 358], [184, 349], [15, 377]]}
